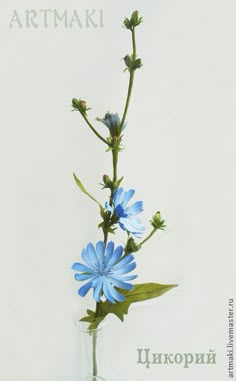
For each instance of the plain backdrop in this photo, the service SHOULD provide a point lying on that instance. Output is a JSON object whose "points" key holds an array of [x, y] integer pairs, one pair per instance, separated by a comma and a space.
{"points": [[179, 156]]}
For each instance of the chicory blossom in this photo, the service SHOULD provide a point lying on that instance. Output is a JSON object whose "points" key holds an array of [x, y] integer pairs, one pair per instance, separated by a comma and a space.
{"points": [[105, 269], [125, 214], [112, 121]]}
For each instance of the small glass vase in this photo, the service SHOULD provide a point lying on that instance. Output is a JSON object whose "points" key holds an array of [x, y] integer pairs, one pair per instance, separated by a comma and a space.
{"points": [[91, 352]]}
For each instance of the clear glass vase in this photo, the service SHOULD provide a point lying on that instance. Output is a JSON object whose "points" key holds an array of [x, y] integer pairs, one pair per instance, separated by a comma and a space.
{"points": [[91, 352]]}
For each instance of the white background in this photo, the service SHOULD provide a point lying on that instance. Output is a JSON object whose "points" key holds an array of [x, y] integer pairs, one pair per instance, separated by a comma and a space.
{"points": [[180, 158]]}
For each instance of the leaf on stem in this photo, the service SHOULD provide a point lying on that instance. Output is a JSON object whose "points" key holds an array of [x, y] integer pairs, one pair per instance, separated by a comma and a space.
{"points": [[82, 188], [139, 293]]}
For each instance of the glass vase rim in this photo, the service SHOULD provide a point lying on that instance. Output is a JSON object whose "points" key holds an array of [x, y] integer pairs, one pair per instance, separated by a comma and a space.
{"points": [[82, 326]]}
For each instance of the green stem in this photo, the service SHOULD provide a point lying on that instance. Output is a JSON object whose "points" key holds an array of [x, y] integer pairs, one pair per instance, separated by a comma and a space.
{"points": [[134, 43], [149, 236], [115, 154], [95, 368], [93, 129], [94, 333], [131, 81]]}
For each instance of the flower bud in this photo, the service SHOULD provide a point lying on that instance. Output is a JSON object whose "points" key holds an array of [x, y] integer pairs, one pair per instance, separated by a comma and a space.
{"points": [[135, 19], [138, 63], [132, 246], [80, 105], [113, 122], [128, 60], [157, 222], [107, 181]]}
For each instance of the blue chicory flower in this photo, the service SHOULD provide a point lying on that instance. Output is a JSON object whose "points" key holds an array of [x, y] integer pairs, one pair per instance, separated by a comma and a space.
{"points": [[105, 268], [112, 121], [126, 214]]}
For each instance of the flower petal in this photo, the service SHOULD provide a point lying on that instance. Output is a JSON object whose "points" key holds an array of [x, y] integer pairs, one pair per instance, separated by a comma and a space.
{"points": [[109, 252], [106, 291], [92, 255], [117, 198], [87, 259], [108, 207], [116, 295], [84, 289], [115, 257], [135, 208], [126, 277], [121, 284], [126, 269], [97, 285], [127, 197], [80, 267], [132, 225], [81, 277], [123, 262], [100, 249]]}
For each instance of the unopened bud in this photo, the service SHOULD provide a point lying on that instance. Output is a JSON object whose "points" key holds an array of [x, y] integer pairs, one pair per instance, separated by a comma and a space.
{"points": [[157, 222], [79, 105], [128, 60], [132, 246], [135, 19], [138, 63], [107, 181]]}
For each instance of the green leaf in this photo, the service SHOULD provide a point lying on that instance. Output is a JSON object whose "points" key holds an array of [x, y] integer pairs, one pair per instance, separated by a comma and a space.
{"points": [[140, 293], [82, 188], [90, 312], [88, 319]]}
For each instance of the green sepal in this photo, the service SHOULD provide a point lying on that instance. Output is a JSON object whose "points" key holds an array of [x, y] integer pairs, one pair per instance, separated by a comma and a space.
{"points": [[119, 181], [111, 230]]}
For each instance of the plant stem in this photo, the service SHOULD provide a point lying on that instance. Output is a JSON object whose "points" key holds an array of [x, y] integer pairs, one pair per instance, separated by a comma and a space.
{"points": [[115, 154], [134, 43], [131, 80], [95, 369], [93, 129], [94, 333], [148, 237]]}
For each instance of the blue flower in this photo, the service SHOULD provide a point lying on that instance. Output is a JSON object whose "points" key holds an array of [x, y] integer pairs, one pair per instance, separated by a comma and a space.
{"points": [[126, 214], [105, 268], [112, 121]]}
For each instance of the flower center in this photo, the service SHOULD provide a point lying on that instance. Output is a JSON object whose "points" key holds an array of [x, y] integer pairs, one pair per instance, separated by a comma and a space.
{"points": [[120, 211], [103, 271]]}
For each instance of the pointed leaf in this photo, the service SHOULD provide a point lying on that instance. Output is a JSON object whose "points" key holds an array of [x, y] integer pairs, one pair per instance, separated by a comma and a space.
{"points": [[82, 188], [140, 292]]}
